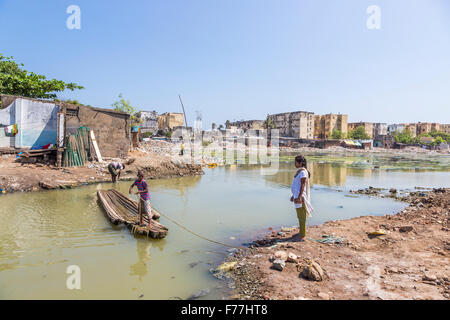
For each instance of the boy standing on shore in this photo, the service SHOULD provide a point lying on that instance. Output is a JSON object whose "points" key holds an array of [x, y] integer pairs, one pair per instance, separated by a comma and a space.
{"points": [[144, 198]]}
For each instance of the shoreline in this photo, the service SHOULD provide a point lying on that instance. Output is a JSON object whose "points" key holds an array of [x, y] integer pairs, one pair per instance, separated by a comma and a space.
{"points": [[409, 262], [16, 177]]}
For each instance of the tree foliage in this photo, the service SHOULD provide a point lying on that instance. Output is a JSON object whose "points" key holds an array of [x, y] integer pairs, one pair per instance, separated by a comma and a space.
{"points": [[442, 135], [268, 123], [359, 133], [404, 137], [438, 140], [15, 80], [337, 134], [125, 106]]}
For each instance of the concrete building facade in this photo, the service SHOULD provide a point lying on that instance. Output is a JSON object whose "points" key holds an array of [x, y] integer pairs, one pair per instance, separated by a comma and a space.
{"points": [[445, 128], [299, 124], [380, 129], [427, 127], [412, 128], [324, 125], [170, 120], [247, 125], [368, 127], [149, 120], [395, 128]]}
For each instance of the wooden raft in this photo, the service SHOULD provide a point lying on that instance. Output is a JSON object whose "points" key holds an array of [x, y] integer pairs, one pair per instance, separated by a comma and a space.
{"points": [[121, 209]]}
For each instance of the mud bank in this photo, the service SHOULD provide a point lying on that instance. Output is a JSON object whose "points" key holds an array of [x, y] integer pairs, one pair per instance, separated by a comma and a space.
{"points": [[17, 177], [411, 261]]}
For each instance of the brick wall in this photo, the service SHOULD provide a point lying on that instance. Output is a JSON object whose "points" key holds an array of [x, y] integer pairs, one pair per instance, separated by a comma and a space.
{"points": [[111, 129]]}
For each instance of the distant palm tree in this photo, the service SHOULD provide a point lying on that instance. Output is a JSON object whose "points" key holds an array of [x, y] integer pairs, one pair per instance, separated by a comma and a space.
{"points": [[213, 126], [268, 125], [221, 127]]}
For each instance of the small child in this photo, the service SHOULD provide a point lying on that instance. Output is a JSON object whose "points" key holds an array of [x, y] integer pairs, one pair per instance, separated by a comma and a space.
{"points": [[144, 202]]}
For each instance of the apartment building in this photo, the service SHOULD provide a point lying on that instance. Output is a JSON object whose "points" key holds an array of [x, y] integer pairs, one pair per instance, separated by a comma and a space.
{"points": [[299, 124], [247, 125], [380, 129], [368, 127], [324, 125], [169, 120], [412, 128], [149, 120], [395, 128], [427, 127]]}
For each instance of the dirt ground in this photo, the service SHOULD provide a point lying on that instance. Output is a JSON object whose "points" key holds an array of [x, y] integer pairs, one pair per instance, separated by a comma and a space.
{"points": [[410, 262], [16, 177]]}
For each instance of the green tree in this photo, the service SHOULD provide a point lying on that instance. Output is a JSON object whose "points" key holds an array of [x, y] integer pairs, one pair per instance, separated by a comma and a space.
{"points": [[337, 134], [404, 137], [445, 136], [437, 141], [268, 123], [359, 133], [213, 126], [125, 106], [15, 80]]}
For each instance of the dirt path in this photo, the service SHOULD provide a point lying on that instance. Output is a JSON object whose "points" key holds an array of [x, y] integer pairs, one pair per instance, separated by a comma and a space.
{"points": [[16, 177], [399, 265]]}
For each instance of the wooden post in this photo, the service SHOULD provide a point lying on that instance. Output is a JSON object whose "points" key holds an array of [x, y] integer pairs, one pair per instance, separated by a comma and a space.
{"points": [[185, 121]]}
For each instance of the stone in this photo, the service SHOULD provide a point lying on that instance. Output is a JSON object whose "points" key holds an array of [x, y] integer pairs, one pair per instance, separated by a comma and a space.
{"points": [[199, 294], [278, 264], [323, 295], [405, 229], [292, 257], [393, 190], [393, 270], [429, 277], [313, 271], [281, 255]]}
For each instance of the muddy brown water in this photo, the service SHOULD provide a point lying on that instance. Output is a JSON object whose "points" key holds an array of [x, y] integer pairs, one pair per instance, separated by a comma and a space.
{"points": [[43, 233]]}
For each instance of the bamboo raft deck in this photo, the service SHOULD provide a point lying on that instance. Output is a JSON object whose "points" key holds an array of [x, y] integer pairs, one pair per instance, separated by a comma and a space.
{"points": [[121, 209]]}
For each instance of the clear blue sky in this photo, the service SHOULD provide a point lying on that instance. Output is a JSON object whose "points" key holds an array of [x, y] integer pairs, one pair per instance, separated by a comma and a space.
{"points": [[243, 59]]}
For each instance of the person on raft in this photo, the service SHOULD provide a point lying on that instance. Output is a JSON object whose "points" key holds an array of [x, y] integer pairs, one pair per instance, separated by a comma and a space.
{"points": [[144, 197], [301, 194], [115, 169]]}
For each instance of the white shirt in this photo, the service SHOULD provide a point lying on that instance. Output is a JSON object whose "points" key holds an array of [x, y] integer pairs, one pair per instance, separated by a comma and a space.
{"points": [[117, 165], [296, 187]]}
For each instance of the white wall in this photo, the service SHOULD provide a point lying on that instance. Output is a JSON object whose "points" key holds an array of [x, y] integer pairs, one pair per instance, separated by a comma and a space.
{"points": [[36, 121], [7, 116]]}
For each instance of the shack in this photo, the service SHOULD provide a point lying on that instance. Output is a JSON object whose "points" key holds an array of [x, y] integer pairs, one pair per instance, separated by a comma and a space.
{"points": [[34, 125], [326, 143]]}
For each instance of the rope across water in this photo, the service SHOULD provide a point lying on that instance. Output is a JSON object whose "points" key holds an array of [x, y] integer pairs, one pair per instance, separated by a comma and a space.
{"points": [[195, 233]]}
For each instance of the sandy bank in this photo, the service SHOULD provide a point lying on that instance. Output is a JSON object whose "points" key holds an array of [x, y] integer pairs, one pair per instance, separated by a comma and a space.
{"points": [[410, 262]]}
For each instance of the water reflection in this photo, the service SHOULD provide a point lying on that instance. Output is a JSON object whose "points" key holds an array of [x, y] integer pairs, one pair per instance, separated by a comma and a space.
{"points": [[321, 174], [140, 268], [182, 184]]}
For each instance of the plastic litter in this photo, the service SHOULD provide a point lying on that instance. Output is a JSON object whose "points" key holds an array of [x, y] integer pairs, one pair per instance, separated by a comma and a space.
{"points": [[226, 266], [378, 232], [330, 239]]}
